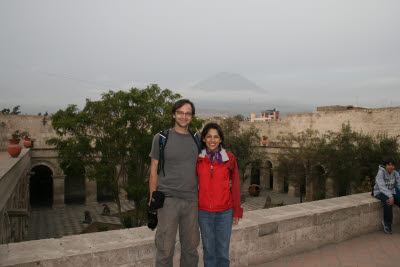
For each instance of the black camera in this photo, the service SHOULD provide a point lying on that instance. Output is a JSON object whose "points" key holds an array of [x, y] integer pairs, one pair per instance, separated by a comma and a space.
{"points": [[157, 202]]}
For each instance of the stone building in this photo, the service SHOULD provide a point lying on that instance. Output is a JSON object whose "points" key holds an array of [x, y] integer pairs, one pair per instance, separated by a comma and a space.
{"points": [[41, 181], [369, 121]]}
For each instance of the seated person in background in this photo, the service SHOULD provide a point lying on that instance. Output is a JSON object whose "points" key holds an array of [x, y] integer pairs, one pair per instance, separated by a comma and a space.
{"points": [[385, 183]]}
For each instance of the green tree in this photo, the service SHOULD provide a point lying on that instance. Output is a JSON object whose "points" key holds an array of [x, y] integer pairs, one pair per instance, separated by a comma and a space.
{"points": [[348, 157], [241, 142], [299, 157], [111, 139]]}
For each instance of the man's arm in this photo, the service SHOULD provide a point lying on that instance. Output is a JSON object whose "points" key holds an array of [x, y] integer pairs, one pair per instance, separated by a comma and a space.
{"points": [[153, 180]]}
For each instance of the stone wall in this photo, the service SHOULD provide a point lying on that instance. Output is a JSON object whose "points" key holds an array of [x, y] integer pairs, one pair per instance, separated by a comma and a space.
{"points": [[262, 236], [33, 124], [14, 197], [369, 121]]}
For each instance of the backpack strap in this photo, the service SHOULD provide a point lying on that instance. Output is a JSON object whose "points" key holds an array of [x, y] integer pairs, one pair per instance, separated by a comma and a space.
{"points": [[162, 141], [196, 138]]}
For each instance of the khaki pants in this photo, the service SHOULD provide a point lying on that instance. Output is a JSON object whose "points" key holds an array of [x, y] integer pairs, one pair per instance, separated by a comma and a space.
{"points": [[183, 213]]}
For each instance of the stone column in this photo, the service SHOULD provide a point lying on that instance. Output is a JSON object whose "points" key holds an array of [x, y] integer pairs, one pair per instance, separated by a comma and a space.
{"points": [[294, 189], [279, 182], [247, 172], [264, 178], [247, 176], [329, 188], [268, 178], [309, 192], [245, 186], [90, 192], [58, 191], [123, 195]]}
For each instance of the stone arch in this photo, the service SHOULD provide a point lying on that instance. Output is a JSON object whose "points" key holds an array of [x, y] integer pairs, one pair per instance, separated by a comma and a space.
{"points": [[57, 180], [266, 174], [255, 173], [56, 170], [41, 186]]}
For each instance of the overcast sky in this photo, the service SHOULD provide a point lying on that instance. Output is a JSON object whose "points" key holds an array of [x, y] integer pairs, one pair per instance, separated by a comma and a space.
{"points": [[303, 54]]}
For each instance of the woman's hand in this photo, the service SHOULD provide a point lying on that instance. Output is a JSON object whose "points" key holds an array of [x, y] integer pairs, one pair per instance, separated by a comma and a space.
{"points": [[235, 220]]}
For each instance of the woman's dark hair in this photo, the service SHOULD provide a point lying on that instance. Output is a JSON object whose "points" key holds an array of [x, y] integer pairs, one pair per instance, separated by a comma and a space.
{"points": [[215, 126], [180, 103]]}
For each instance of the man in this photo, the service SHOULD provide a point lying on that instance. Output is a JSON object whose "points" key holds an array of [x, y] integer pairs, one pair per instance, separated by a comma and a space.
{"points": [[385, 182], [178, 181]]}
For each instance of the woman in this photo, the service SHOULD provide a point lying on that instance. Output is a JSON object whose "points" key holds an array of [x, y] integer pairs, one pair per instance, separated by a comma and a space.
{"points": [[219, 196]]}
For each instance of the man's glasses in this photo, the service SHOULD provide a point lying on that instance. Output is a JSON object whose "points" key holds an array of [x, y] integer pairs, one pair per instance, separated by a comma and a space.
{"points": [[181, 113]]}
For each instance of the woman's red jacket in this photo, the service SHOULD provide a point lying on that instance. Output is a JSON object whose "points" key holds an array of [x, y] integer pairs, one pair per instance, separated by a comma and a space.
{"points": [[215, 193]]}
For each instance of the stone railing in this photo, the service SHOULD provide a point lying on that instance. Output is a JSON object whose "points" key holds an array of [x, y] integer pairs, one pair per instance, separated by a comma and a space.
{"points": [[14, 197], [262, 236]]}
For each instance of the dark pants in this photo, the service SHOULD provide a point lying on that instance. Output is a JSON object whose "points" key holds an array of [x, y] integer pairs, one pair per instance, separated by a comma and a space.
{"points": [[388, 210], [216, 228], [183, 213]]}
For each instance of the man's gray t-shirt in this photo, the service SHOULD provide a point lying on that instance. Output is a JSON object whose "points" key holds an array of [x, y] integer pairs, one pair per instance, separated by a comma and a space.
{"points": [[180, 156]]}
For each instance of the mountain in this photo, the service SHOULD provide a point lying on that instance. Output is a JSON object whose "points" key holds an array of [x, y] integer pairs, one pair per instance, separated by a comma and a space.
{"points": [[227, 82]]}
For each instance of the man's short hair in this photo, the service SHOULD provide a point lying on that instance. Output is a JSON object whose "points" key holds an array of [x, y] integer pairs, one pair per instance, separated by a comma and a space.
{"points": [[180, 103], [388, 161]]}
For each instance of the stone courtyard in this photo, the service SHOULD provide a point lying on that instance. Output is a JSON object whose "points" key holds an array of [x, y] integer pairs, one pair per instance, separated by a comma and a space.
{"points": [[56, 223]]}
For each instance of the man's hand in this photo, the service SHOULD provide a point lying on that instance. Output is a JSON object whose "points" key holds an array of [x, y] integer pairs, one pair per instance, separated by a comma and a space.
{"points": [[151, 199], [390, 201], [153, 179], [235, 220], [154, 211]]}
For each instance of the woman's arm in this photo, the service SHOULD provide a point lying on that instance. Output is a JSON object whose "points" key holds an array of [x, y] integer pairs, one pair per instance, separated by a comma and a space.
{"points": [[237, 210]]}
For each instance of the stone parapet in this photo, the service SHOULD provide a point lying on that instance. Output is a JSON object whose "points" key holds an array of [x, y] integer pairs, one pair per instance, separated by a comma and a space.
{"points": [[262, 236], [14, 197]]}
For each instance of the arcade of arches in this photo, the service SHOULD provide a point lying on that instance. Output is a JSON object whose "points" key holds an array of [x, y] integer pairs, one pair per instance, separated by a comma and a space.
{"points": [[266, 176], [47, 189], [50, 187]]}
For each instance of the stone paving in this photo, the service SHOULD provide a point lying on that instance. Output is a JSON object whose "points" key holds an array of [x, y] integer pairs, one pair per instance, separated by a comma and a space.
{"points": [[255, 203], [374, 249], [55, 223]]}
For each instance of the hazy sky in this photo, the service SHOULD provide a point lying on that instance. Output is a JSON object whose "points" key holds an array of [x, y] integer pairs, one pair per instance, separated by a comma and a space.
{"points": [[302, 53]]}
